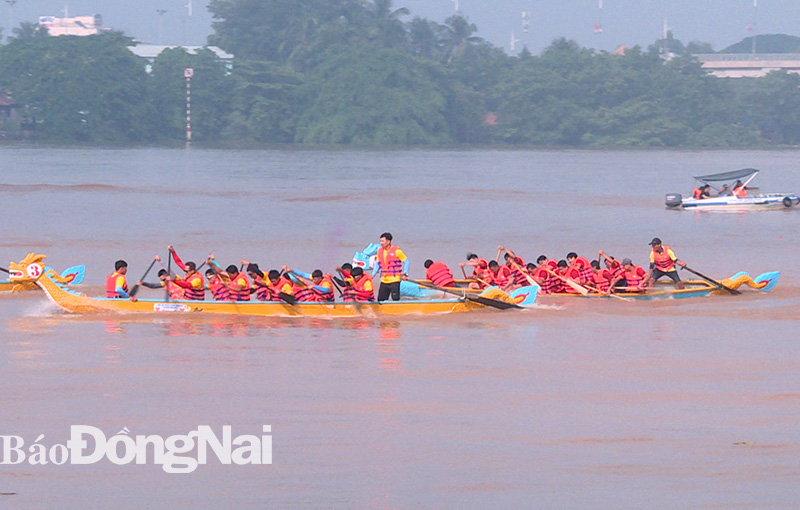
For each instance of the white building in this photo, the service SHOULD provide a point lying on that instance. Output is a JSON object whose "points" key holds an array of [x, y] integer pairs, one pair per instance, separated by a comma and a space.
{"points": [[79, 25]]}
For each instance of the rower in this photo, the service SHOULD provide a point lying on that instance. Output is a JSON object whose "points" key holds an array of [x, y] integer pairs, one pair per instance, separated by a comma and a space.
{"points": [[344, 270], [516, 265], [362, 290], [548, 284], [174, 291], [581, 264], [235, 280], [571, 273], [302, 293], [480, 270], [117, 284], [192, 283], [278, 284], [601, 278], [322, 284], [439, 274], [499, 275], [215, 284], [615, 267], [635, 277], [662, 263]]}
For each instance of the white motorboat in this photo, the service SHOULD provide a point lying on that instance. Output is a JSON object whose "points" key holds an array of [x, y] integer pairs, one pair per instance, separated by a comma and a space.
{"points": [[724, 199]]}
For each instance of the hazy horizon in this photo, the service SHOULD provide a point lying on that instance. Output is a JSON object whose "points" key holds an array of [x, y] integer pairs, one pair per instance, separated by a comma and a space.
{"points": [[628, 22]]}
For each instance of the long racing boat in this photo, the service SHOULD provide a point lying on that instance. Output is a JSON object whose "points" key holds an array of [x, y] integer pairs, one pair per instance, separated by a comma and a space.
{"points": [[31, 270]]}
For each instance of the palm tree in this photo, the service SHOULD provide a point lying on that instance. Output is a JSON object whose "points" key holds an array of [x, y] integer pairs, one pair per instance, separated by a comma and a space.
{"points": [[458, 36]]}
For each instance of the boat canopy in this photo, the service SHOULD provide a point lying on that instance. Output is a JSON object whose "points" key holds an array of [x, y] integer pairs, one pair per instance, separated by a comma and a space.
{"points": [[728, 176]]}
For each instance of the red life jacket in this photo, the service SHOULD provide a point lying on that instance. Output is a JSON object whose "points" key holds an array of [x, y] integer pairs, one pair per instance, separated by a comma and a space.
{"points": [[584, 268], [602, 279], [244, 294], [633, 278], [547, 282], [740, 192], [500, 278], [662, 260], [262, 292], [219, 291], [195, 294], [325, 297], [480, 269], [390, 264], [361, 294], [273, 291], [111, 285], [696, 193], [574, 274], [440, 275], [517, 275], [303, 294]]}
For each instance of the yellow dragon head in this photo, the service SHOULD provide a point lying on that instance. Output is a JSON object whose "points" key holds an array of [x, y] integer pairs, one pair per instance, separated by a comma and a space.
{"points": [[28, 270]]}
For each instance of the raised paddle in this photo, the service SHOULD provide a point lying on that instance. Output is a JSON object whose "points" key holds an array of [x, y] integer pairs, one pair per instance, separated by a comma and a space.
{"points": [[494, 303], [715, 283], [5, 270], [135, 288]]}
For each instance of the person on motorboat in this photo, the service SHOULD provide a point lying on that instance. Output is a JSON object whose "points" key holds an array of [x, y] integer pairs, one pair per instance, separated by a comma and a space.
{"points": [[739, 190], [662, 263], [724, 191]]}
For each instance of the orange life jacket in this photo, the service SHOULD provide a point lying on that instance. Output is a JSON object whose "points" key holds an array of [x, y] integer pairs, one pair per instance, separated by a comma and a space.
{"points": [[111, 285], [547, 282], [325, 297], [662, 260], [262, 292], [480, 269], [584, 268], [244, 294], [517, 275], [500, 278], [390, 264], [273, 291], [361, 294], [740, 192], [219, 291], [195, 294], [602, 279], [439, 274], [574, 274], [303, 294], [634, 278], [697, 192]]}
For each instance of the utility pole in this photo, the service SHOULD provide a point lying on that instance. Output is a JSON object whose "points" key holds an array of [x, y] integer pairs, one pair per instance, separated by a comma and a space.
{"points": [[188, 73], [161, 13]]}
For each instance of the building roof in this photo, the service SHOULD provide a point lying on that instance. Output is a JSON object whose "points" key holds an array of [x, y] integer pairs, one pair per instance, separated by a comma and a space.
{"points": [[151, 51]]}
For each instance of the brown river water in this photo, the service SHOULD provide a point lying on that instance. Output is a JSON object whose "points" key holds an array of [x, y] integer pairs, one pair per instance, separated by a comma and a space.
{"points": [[575, 404]]}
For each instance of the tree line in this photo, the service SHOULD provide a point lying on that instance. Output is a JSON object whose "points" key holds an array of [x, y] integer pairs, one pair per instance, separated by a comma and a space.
{"points": [[360, 72]]}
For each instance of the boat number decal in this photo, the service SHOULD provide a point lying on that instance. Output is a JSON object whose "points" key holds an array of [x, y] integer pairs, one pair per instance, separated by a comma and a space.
{"points": [[171, 307], [34, 271]]}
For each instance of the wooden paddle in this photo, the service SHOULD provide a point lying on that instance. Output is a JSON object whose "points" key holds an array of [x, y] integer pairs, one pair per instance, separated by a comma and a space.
{"points": [[715, 283], [135, 288], [580, 288], [494, 303]]}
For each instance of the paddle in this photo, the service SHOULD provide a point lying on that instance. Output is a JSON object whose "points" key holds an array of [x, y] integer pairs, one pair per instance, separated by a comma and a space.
{"points": [[581, 289], [715, 283], [135, 288], [494, 303], [5, 270]]}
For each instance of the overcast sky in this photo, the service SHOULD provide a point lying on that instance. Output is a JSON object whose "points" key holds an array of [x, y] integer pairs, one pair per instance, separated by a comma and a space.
{"points": [[629, 22]]}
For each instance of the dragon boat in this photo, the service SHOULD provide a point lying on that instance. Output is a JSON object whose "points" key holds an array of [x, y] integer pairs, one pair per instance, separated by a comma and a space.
{"points": [[693, 288], [31, 270], [70, 276]]}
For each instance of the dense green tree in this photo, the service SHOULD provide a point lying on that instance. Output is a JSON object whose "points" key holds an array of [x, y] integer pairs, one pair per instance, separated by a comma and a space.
{"points": [[78, 88], [264, 100], [372, 95]]}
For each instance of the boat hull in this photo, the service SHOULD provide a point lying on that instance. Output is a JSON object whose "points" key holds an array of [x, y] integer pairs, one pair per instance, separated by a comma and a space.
{"points": [[732, 203], [77, 303]]}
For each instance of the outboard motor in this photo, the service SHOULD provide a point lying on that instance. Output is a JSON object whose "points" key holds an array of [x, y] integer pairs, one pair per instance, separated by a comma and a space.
{"points": [[674, 200]]}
